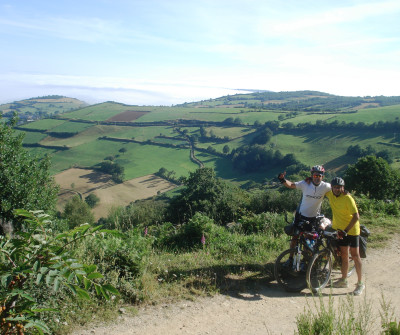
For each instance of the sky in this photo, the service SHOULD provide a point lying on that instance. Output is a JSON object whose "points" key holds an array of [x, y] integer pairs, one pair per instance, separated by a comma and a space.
{"points": [[166, 52]]}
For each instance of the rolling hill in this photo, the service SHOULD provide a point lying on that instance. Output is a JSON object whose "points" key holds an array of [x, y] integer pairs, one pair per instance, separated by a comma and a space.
{"points": [[244, 138]]}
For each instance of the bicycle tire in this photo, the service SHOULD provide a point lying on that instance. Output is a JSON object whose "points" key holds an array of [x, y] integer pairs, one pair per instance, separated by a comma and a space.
{"points": [[338, 264], [291, 280], [319, 271], [352, 267]]}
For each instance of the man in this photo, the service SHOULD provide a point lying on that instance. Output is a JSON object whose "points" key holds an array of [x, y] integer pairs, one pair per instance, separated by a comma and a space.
{"points": [[313, 194], [346, 218]]}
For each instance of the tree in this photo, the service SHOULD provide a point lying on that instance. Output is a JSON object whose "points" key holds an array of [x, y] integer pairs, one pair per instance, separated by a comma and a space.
{"points": [[122, 150], [25, 180], [226, 149], [205, 193], [262, 137], [77, 212], [374, 177], [92, 200]]}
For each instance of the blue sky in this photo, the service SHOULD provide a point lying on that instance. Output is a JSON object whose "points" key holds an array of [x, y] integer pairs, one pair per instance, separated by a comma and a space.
{"points": [[164, 52]]}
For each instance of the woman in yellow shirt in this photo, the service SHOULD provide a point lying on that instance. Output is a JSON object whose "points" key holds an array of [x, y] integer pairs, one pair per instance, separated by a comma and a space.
{"points": [[346, 218]]}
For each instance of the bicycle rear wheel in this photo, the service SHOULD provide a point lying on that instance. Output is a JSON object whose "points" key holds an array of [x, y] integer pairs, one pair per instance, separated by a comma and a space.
{"points": [[319, 271], [286, 273]]}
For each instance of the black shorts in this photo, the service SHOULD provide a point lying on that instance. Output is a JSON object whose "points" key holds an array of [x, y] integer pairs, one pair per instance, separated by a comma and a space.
{"points": [[312, 225], [350, 240]]}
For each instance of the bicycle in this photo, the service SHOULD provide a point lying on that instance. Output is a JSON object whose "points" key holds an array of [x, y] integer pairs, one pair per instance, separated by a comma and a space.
{"points": [[325, 259], [291, 265]]}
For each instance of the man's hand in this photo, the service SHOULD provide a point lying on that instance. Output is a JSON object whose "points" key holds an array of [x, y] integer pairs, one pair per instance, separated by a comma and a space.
{"points": [[341, 234], [281, 177]]}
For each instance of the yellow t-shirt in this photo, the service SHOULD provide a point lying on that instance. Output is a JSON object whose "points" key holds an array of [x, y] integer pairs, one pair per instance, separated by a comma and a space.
{"points": [[343, 208]]}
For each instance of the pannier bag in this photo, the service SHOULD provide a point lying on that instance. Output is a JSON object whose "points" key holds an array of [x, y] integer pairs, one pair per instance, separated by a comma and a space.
{"points": [[290, 229]]}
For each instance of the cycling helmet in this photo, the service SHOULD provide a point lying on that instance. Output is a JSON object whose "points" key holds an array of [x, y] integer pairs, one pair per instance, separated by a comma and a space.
{"points": [[317, 169], [337, 181]]}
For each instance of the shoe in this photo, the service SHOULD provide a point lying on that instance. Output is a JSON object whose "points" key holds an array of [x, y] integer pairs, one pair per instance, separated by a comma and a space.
{"points": [[341, 283], [359, 289]]}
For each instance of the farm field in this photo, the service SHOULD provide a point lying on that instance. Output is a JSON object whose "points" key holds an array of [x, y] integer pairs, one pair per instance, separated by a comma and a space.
{"points": [[82, 181], [93, 142]]}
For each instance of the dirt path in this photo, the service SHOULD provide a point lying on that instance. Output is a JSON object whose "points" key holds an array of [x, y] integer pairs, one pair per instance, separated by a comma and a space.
{"points": [[269, 310]]}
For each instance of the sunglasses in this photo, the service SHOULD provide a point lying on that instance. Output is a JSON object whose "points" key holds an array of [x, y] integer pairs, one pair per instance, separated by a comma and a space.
{"points": [[317, 175]]}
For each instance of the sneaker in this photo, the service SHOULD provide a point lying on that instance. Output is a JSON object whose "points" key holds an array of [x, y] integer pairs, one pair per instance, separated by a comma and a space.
{"points": [[340, 283], [359, 289]]}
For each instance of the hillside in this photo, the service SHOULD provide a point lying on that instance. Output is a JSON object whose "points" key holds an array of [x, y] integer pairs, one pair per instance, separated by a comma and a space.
{"points": [[245, 138], [297, 101], [40, 107]]}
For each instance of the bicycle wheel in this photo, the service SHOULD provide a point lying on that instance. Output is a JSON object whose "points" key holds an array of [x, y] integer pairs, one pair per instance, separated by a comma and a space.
{"points": [[286, 273], [352, 267], [319, 270], [338, 264]]}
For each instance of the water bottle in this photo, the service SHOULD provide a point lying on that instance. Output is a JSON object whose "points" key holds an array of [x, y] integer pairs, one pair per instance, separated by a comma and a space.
{"points": [[298, 261], [309, 243]]}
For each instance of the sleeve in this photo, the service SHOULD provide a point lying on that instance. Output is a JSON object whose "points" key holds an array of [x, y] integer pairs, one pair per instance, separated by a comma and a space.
{"points": [[351, 205], [300, 184], [329, 195]]}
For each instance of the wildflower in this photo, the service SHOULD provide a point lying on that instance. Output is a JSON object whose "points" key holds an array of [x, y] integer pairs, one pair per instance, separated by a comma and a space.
{"points": [[203, 240], [145, 231]]}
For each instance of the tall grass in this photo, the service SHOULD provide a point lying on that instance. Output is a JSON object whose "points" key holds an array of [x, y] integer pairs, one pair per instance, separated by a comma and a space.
{"points": [[348, 318]]}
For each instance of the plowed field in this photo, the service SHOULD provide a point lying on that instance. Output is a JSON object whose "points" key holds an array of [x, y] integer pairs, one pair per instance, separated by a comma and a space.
{"points": [[81, 181]]}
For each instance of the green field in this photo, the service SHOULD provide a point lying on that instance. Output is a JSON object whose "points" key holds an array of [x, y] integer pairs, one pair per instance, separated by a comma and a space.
{"points": [[327, 146], [45, 124], [100, 112]]}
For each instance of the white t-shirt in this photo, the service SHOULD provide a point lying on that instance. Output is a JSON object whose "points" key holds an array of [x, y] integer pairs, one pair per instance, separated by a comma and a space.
{"points": [[311, 200]]}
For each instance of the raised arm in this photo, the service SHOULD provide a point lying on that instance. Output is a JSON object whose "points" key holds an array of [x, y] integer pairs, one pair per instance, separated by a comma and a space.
{"points": [[285, 182]]}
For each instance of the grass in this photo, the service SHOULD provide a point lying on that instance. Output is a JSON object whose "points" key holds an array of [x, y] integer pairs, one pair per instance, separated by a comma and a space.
{"points": [[44, 124], [325, 147], [228, 261], [73, 127], [348, 318], [31, 137]]}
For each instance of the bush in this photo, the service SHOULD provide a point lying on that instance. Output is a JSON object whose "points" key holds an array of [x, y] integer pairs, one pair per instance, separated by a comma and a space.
{"points": [[369, 206], [121, 259], [39, 261], [92, 200], [275, 201], [139, 214], [77, 212], [272, 223]]}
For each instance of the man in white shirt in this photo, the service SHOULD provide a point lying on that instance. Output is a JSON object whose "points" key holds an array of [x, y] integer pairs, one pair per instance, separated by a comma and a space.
{"points": [[313, 194]]}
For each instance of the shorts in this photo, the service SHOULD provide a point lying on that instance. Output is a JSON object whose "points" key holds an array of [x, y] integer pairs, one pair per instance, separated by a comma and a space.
{"points": [[350, 240], [312, 225]]}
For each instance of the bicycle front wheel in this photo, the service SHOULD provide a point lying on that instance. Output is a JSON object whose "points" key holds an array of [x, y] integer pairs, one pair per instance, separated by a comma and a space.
{"points": [[286, 273], [319, 271]]}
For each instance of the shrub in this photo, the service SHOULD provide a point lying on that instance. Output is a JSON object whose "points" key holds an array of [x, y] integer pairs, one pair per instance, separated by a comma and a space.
{"points": [[138, 214], [77, 212], [92, 200], [36, 258], [121, 259], [265, 222]]}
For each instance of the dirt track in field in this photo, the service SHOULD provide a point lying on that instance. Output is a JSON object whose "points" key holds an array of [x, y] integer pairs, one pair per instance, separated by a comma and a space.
{"points": [[81, 181], [265, 310]]}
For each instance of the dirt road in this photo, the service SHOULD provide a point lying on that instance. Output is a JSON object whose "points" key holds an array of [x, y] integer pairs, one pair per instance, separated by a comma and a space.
{"points": [[267, 310]]}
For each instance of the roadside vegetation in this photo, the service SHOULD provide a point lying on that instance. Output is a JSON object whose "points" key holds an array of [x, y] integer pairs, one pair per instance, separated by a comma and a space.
{"points": [[210, 236]]}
